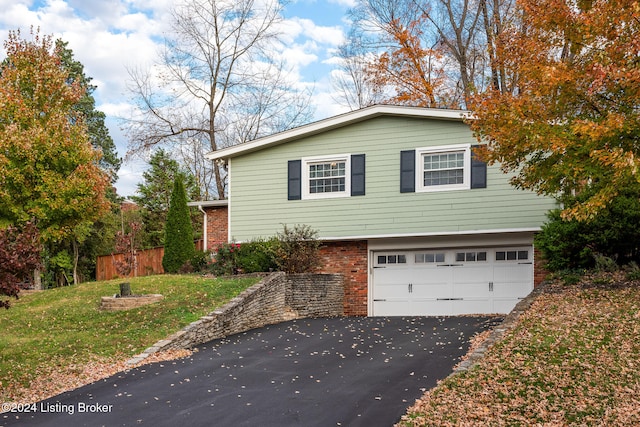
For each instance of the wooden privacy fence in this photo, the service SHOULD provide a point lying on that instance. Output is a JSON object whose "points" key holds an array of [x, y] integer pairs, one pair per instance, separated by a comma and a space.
{"points": [[147, 262]]}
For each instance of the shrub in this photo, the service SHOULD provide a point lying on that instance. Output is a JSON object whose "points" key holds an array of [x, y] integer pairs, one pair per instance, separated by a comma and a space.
{"points": [[250, 257], [200, 260], [297, 249], [612, 233], [257, 256]]}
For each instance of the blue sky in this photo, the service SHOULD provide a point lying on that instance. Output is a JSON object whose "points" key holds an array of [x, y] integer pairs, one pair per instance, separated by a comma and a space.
{"points": [[107, 36]]}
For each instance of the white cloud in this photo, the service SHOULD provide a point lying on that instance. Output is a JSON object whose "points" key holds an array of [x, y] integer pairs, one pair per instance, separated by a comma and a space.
{"points": [[109, 37], [344, 3]]}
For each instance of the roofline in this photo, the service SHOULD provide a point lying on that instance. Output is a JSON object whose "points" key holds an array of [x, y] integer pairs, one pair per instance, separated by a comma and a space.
{"points": [[209, 203], [334, 123]]}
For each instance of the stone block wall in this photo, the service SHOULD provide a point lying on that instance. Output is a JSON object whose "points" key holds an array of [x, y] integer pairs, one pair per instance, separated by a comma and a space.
{"points": [[315, 295], [276, 298]]}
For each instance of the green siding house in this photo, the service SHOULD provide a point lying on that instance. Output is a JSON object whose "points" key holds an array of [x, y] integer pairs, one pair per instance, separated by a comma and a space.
{"points": [[416, 223]]}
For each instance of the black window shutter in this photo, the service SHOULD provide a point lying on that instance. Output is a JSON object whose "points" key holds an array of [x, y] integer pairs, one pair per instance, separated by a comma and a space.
{"points": [[357, 174], [478, 170], [408, 171], [294, 178]]}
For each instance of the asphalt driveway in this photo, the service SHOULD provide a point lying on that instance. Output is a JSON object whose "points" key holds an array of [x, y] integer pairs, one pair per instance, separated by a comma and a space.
{"points": [[311, 372]]}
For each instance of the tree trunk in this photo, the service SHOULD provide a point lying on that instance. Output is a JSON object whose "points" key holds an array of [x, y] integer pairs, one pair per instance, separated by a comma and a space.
{"points": [[125, 289], [37, 279]]}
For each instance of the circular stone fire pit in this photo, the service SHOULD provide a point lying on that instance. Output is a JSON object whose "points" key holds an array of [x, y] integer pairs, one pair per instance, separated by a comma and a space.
{"points": [[126, 303]]}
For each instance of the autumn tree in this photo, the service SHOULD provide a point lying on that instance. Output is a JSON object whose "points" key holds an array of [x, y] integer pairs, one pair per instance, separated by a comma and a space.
{"points": [[94, 119], [19, 257], [48, 169], [218, 81], [571, 125]]}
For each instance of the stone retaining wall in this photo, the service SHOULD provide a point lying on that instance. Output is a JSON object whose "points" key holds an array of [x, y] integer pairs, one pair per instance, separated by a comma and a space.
{"points": [[276, 298], [127, 303]]}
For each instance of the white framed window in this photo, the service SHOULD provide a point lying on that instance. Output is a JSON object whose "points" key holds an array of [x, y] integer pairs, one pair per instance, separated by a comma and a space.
{"points": [[326, 176], [442, 168]]}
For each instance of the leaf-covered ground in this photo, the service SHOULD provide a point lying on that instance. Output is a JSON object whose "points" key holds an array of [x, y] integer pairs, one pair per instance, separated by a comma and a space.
{"points": [[572, 359]]}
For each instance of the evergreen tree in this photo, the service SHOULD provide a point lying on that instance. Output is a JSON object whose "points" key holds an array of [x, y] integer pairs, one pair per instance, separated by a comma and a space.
{"points": [[179, 247], [153, 195]]}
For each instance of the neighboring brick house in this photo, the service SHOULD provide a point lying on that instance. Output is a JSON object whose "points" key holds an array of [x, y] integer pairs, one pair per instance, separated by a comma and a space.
{"points": [[215, 225], [416, 223]]}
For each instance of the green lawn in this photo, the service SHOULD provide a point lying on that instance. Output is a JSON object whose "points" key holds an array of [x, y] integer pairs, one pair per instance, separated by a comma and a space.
{"points": [[573, 359], [57, 328]]}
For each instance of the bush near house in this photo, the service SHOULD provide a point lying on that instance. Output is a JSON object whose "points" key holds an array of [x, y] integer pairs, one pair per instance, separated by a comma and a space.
{"points": [[293, 250], [612, 233]]}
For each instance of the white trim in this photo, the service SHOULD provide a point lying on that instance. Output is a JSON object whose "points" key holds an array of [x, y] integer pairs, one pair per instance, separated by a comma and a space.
{"points": [[306, 161], [337, 122], [229, 202], [431, 234], [466, 180]]}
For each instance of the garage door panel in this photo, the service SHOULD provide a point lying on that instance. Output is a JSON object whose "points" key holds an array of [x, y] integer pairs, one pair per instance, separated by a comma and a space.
{"points": [[395, 290], [505, 305], [390, 307], [433, 307], [420, 275], [509, 273], [472, 306], [511, 290], [451, 282], [431, 290], [472, 274], [472, 290]]}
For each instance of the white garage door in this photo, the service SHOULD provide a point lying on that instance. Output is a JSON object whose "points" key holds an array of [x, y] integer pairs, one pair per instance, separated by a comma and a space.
{"points": [[450, 282]]}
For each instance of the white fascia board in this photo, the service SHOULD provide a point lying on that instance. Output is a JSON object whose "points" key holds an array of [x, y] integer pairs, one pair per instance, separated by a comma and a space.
{"points": [[209, 203], [432, 234], [336, 122]]}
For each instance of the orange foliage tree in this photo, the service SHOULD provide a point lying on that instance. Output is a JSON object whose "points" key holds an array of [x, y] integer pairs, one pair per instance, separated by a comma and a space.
{"points": [[49, 171], [416, 73], [570, 122]]}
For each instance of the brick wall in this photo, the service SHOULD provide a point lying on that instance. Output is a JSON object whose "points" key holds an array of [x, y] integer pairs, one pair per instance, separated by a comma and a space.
{"points": [[539, 271], [348, 258], [217, 223]]}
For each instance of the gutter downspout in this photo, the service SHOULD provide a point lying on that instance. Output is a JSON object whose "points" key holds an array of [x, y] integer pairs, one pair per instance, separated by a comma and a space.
{"points": [[205, 246]]}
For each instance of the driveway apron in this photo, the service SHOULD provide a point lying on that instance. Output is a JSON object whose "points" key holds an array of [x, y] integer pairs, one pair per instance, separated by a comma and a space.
{"points": [[313, 372]]}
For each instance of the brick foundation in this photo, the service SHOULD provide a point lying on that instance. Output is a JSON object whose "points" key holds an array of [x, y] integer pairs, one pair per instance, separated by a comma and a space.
{"points": [[348, 258]]}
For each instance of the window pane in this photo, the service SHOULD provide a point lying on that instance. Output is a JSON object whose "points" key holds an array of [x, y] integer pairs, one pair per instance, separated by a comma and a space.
{"points": [[482, 256], [443, 169], [391, 259], [523, 254], [430, 257], [327, 177], [402, 259], [382, 259], [500, 256], [460, 256], [439, 257], [419, 258], [511, 255], [470, 256]]}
